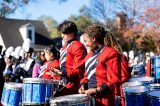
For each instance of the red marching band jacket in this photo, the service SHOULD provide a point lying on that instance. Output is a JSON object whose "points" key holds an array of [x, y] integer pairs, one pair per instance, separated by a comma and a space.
{"points": [[74, 67], [148, 67], [51, 64], [125, 75], [107, 73]]}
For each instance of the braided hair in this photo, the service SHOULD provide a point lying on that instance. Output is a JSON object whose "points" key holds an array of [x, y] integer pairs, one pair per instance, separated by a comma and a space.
{"points": [[110, 41]]}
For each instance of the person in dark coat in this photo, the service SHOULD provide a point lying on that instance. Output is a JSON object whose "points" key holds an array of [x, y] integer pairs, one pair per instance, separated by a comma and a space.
{"points": [[2, 68]]}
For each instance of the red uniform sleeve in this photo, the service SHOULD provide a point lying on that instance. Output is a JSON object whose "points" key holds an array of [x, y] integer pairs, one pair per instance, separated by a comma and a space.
{"points": [[78, 64], [125, 74], [113, 76], [85, 79], [53, 64]]}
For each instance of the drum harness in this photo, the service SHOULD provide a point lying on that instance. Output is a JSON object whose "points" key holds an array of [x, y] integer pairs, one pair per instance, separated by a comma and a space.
{"points": [[63, 54], [42, 68]]}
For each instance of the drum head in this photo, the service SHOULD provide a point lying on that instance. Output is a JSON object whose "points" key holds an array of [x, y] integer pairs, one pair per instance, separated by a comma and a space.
{"points": [[70, 99], [34, 80], [12, 85], [131, 84], [49, 81], [136, 90], [60, 101], [156, 85], [143, 79], [56, 82], [154, 94]]}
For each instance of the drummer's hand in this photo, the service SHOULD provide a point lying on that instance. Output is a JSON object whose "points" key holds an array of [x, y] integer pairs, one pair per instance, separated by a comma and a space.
{"points": [[49, 73], [81, 90], [90, 91], [56, 71]]}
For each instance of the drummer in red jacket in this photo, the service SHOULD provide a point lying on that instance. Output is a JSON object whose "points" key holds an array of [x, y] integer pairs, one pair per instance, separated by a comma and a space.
{"points": [[111, 41], [72, 56], [101, 68], [52, 57], [148, 64]]}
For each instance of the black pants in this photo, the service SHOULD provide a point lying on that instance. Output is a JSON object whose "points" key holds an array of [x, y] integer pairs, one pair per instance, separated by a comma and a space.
{"points": [[1, 85]]}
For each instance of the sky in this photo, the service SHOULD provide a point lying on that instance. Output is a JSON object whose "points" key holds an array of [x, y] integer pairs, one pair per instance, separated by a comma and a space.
{"points": [[55, 9]]}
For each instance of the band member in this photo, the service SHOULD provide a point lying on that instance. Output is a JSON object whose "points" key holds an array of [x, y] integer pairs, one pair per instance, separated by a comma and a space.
{"points": [[29, 61], [72, 56], [52, 57], [2, 68], [2, 79], [111, 41], [9, 63], [101, 68], [148, 64]]}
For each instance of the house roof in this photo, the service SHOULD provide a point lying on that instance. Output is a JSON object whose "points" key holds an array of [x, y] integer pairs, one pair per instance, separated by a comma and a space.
{"points": [[9, 30], [27, 25]]}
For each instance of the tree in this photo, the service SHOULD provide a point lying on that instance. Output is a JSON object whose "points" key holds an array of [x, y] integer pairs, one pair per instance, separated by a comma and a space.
{"points": [[10, 6], [100, 12], [151, 21], [148, 28], [142, 19], [51, 25], [147, 44], [81, 21]]}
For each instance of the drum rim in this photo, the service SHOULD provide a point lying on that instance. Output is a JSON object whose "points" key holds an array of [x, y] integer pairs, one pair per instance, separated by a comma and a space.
{"points": [[53, 101], [152, 79], [56, 82], [152, 85], [11, 85], [3, 103], [29, 103], [130, 93], [136, 88], [134, 82], [83, 98], [68, 103], [34, 80], [150, 96], [50, 81]]}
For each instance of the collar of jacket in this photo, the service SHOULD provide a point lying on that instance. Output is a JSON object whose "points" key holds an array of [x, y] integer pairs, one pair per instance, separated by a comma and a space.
{"points": [[98, 49], [68, 42]]}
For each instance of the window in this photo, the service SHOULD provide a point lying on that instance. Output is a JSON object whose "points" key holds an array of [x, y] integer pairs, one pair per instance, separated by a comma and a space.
{"points": [[30, 34]]}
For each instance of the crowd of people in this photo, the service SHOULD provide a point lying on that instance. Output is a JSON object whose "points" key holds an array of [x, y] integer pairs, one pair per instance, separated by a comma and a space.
{"points": [[96, 67]]}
